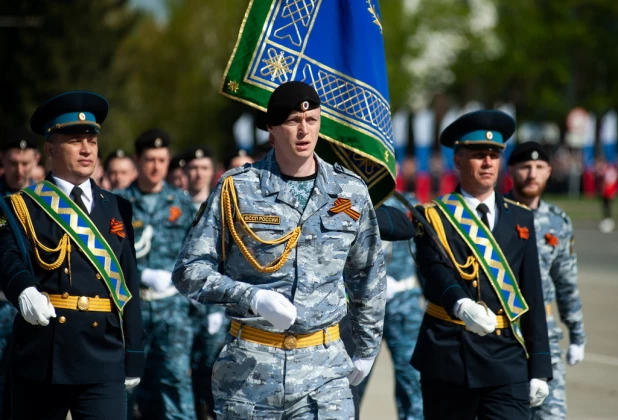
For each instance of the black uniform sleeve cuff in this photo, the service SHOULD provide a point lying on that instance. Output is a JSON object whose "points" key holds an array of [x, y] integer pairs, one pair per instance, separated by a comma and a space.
{"points": [[450, 297], [134, 363], [20, 282], [539, 366]]}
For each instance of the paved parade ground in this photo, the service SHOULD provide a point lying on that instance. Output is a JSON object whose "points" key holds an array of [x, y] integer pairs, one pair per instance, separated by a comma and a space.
{"points": [[592, 386]]}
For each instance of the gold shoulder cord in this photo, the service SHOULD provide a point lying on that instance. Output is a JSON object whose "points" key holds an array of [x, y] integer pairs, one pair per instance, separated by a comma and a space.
{"points": [[64, 245], [228, 198], [434, 219]]}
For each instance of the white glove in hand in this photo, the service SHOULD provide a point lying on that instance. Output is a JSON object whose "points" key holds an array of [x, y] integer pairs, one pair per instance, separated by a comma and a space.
{"points": [[575, 354], [362, 367], [131, 382], [275, 308], [159, 280], [391, 287], [477, 318], [538, 392], [215, 320], [35, 307]]}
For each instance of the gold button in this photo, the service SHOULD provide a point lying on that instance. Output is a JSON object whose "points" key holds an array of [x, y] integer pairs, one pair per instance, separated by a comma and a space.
{"points": [[62, 320], [475, 283], [289, 342], [95, 324], [498, 332], [65, 295], [500, 311], [66, 271], [98, 276]]}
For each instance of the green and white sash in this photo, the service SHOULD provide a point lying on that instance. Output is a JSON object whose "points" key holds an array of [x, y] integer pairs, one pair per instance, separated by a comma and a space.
{"points": [[489, 255], [85, 234]]}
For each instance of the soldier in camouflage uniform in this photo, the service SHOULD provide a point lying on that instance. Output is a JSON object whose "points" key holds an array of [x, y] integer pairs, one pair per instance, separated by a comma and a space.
{"points": [[19, 154], [404, 313], [162, 217], [529, 166], [292, 225], [209, 322]]}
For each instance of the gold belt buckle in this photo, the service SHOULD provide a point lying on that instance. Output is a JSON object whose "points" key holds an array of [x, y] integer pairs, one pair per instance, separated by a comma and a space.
{"points": [[290, 342], [83, 303]]}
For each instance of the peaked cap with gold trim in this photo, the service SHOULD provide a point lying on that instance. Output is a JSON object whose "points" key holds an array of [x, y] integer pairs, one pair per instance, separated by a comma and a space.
{"points": [[77, 111], [484, 130]]}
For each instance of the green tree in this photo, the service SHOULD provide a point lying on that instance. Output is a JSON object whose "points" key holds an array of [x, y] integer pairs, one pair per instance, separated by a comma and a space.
{"points": [[172, 73], [47, 47]]}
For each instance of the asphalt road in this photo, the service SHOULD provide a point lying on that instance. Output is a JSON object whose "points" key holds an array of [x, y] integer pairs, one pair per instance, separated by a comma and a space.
{"points": [[592, 386]]}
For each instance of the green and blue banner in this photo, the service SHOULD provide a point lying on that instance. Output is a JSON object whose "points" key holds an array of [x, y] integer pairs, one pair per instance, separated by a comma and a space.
{"points": [[336, 46]]}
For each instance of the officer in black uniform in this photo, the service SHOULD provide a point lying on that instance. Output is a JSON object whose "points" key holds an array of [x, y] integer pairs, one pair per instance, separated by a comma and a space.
{"points": [[78, 339], [482, 350]]}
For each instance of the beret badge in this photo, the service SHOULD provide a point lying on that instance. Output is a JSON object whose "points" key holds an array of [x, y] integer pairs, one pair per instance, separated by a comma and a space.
{"points": [[158, 142], [304, 106], [23, 144]]}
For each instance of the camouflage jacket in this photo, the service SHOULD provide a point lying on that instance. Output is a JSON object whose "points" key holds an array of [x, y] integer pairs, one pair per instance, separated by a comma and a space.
{"points": [[558, 262], [169, 223], [335, 252]]}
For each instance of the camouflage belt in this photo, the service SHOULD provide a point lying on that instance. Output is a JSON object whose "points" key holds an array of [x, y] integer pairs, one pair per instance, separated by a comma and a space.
{"points": [[440, 313], [284, 341]]}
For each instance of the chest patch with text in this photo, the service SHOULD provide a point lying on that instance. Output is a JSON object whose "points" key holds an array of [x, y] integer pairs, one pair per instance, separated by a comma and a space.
{"points": [[262, 218]]}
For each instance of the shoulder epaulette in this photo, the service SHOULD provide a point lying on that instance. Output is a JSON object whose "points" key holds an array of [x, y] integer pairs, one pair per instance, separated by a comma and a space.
{"points": [[237, 170], [559, 212], [340, 169], [517, 203]]}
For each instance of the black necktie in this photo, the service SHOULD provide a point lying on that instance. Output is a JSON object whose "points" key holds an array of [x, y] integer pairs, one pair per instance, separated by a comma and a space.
{"points": [[76, 195], [483, 209]]}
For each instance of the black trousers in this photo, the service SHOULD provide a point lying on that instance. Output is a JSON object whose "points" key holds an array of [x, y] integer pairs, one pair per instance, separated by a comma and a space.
{"points": [[442, 401], [39, 400]]}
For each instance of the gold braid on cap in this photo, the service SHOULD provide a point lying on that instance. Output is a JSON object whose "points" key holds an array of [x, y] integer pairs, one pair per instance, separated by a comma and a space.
{"points": [[229, 199]]}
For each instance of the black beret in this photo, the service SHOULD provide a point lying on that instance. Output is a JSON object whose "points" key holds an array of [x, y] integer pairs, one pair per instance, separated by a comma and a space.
{"points": [[78, 111], [529, 150], [483, 129], [176, 162], [19, 138], [118, 153], [196, 152], [151, 139], [288, 97]]}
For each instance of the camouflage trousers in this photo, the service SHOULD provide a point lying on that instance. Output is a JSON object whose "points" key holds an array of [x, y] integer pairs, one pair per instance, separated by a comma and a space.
{"points": [[207, 344], [402, 322], [7, 314], [254, 381], [165, 389], [554, 407]]}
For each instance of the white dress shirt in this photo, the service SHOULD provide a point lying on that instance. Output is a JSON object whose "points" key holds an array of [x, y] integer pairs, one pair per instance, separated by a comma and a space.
{"points": [[490, 202], [66, 187]]}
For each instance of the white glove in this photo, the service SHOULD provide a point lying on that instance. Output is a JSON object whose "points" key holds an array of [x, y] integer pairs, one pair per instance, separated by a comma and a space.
{"points": [[391, 287], [575, 354], [215, 320], [35, 307], [538, 391], [275, 308], [159, 280], [131, 382], [477, 318], [362, 367]]}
